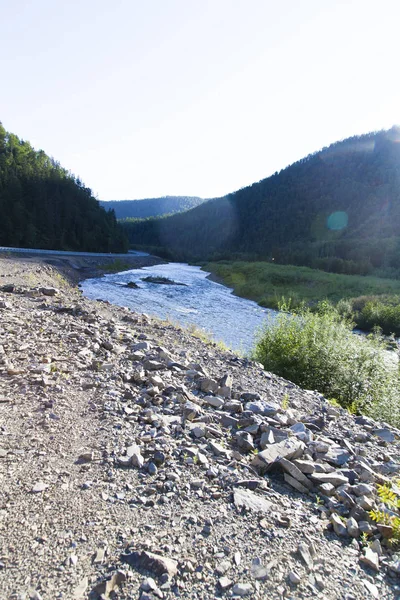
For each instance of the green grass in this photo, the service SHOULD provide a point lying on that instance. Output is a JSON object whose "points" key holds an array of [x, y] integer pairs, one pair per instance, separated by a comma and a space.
{"points": [[115, 266], [317, 350], [370, 301]]}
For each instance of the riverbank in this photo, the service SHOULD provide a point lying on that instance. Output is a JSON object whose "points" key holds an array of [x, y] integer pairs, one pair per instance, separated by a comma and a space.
{"points": [[135, 461], [73, 269], [269, 284]]}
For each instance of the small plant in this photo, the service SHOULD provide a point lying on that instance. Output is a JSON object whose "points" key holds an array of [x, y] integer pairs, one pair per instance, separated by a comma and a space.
{"points": [[364, 538], [318, 500], [285, 401], [391, 499]]}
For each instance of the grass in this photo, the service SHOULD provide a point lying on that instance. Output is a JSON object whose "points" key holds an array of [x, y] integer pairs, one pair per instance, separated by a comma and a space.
{"points": [[317, 350], [115, 266], [370, 301], [267, 283]]}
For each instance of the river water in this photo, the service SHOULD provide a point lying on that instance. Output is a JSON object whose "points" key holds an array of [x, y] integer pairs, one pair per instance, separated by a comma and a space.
{"points": [[201, 302]]}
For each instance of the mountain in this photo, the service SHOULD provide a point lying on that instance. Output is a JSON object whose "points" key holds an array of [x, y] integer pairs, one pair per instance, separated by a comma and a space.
{"points": [[337, 209], [43, 206], [151, 207]]}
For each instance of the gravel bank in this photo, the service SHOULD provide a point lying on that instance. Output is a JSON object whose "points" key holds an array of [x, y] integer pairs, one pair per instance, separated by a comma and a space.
{"points": [[137, 461]]}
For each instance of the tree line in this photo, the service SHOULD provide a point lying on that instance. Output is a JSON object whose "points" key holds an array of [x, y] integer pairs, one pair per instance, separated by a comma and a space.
{"points": [[42, 205], [336, 210]]}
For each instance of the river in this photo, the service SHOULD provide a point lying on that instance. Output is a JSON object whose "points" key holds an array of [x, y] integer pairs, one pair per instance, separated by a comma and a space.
{"points": [[200, 302]]}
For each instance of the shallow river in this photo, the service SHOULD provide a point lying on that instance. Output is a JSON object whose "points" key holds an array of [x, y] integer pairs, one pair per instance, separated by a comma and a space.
{"points": [[201, 302]]}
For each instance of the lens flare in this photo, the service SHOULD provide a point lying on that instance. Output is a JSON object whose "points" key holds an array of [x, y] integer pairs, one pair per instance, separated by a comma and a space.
{"points": [[337, 221]]}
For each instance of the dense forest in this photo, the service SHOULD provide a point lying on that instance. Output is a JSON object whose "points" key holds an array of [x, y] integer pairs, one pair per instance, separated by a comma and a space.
{"points": [[44, 206], [337, 209], [151, 207]]}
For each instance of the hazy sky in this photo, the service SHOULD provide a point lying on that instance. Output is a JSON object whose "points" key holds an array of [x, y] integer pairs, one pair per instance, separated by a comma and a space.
{"points": [[144, 98]]}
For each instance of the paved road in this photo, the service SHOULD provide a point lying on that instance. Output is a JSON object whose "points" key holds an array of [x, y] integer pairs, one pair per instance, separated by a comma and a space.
{"points": [[5, 249]]}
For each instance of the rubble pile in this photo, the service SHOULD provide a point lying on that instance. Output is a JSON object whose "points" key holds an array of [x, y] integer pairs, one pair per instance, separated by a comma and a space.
{"points": [[137, 461]]}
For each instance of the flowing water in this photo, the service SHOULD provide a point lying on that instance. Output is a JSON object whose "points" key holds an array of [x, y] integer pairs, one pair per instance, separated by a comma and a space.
{"points": [[200, 302]]}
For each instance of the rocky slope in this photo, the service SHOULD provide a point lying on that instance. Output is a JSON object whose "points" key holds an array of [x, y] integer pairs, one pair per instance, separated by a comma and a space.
{"points": [[137, 461]]}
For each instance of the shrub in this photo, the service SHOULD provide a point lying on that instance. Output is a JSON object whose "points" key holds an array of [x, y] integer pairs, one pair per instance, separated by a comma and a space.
{"points": [[377, 313], [317, 350]]}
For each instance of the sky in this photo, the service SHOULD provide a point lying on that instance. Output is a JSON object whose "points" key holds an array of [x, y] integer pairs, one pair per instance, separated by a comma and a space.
{"points": [[147, 98]]}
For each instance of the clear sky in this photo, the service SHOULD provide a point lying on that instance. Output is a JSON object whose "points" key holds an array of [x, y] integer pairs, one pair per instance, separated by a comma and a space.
{"points": [[145, 98]]}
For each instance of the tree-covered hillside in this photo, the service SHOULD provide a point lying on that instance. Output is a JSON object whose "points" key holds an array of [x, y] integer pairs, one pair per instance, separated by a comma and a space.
{"points": [[44, 206], [151, 207], [337, 209]]}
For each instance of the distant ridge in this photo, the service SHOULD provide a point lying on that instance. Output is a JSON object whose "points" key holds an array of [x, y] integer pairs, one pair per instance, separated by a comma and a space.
{"points": [[337, 209], [151, 207]]}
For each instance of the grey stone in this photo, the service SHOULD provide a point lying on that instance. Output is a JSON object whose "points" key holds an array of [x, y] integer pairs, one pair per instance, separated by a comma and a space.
{"points": [[233, 407], [295, 484], [141, 346], [198, 431], [206, 384], [384, 434], [214, 401], [257, 570], [244, 441], [154, 563], [306, 556], [152, 469], [370, 559], [39, 486], [191, 411], [362, 489], [137, 460], [337, 456], [327, 489], [295, 472], [153, 365], [290, 448], [218, 449], [242, 589], [334, 478], [223, 567], [148, 585], [244, 498], [48, 291], [260, 407], [305, 466], [224, 583], [248, 396], [294, 578], [338, 526], [267, 438]]}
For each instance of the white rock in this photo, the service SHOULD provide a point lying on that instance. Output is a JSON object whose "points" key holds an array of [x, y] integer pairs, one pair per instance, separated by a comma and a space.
{"points": [[242, 589]]}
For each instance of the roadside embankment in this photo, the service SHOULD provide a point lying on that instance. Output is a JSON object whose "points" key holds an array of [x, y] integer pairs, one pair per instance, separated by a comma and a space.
{"points": [[137, 461]]}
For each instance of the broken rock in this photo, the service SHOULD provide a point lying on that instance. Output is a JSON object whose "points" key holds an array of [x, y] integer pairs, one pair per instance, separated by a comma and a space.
{"points": [[151, 562], [290, 448], [246, 499]]}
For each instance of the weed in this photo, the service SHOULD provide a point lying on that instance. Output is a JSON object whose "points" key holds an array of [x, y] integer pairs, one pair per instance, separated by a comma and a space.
{"points": [[392, 500]]}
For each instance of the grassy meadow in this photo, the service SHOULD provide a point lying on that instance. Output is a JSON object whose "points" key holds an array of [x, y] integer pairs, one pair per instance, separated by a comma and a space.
{"points": [[369, 301]]}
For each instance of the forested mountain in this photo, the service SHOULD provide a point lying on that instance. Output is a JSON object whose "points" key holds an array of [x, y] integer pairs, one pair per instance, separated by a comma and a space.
{"points": [[151, 207], [44, 206], [337, 209]]}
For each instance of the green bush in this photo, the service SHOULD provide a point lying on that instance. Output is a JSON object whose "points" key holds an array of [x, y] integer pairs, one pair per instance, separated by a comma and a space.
{"points": [[317, 350], [377, 313]]}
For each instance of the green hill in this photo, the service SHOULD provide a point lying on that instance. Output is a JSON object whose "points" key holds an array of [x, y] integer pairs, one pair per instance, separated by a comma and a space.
{"points": [[44, 206], [337, 209], [151, 207]]}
